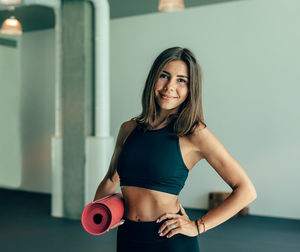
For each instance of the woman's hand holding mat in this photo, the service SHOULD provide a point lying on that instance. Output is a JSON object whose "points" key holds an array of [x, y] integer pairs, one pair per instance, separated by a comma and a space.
{"points": [[118, 224]]}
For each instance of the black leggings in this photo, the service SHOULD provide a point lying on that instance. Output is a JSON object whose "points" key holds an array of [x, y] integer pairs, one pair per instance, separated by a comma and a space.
{"points": [[133, 236]]}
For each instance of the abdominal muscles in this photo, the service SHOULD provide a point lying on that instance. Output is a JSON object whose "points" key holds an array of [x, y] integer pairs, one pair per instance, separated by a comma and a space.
{"points": [[142, 204]]}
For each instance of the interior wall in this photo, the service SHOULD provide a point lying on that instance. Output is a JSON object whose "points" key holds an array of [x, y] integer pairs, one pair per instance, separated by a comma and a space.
{"points": [[37, 109], [27, 111], [10, 86], [249, 53]]}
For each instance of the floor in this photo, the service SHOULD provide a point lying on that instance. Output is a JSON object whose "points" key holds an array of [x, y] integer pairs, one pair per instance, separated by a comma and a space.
{"points": [[27, 226]]}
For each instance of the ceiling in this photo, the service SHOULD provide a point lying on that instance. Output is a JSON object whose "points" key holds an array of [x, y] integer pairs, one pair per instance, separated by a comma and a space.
{"points": [[121, 8], [38, 17]]}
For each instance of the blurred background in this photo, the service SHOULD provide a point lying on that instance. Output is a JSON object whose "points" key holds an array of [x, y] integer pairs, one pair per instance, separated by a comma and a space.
{"points": [[71, 72]]}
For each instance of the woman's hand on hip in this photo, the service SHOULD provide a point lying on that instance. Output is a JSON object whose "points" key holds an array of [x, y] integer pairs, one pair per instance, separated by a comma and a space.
{"points": [[183, 224]]}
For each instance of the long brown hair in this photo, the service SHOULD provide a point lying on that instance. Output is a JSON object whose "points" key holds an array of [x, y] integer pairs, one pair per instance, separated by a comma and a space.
{"points": [[190, 113]]}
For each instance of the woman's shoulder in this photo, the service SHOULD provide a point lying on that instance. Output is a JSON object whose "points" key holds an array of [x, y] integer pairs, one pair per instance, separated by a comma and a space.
{"points": [[125, 130], [199, 132], [200, 128], [128, 126], [203, 138]]}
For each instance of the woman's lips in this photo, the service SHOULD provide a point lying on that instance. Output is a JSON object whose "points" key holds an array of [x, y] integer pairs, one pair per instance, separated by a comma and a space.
{"points": [[167, 97]]}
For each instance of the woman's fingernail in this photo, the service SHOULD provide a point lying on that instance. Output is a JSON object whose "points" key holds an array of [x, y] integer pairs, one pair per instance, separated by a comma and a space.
{"points": [[157, 221]]}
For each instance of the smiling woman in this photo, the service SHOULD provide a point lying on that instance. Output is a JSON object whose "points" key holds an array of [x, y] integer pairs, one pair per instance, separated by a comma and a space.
{"points": [[175, 74], [155, 152], [172, 91]]}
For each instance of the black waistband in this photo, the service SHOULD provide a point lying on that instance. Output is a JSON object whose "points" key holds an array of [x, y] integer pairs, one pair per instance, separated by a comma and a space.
{"points": [[142, 231], [125, 218]]}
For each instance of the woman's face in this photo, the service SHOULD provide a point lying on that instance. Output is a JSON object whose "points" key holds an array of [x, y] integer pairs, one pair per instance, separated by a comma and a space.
{"points": [[173, 82]]}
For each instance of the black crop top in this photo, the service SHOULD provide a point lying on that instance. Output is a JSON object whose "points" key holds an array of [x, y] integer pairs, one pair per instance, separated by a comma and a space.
{"points": [[152, 160]]}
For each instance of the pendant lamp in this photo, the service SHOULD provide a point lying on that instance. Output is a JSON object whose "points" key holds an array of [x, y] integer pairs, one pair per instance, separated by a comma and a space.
{"points": [[11, 26], [170, 5], [10, 1]]}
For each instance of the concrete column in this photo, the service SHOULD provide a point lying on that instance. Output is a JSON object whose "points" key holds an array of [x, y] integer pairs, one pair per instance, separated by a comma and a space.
{"points": [[77, 100]]}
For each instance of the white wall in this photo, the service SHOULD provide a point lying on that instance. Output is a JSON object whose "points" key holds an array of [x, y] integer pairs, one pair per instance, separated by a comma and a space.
{"points": [[249, 53], [37, 112], [10, 85], [27, 111], [250, 57]]}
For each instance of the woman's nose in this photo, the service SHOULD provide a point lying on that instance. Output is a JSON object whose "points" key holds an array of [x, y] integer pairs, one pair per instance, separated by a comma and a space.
{"points": [[171, 84]]}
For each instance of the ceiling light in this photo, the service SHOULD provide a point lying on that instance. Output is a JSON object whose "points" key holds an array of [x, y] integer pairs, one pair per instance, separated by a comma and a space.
{"points": [[10, 1], [11, 26], [170, 5]]}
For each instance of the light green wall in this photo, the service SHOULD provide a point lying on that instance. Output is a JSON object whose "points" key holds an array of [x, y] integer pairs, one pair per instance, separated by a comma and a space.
{"points": [[27, 111], [10, 85], [249, 53], [37, 110]]}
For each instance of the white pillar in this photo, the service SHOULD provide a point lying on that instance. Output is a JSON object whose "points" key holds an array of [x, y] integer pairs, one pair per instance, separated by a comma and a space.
{"points": [[99, 148]]}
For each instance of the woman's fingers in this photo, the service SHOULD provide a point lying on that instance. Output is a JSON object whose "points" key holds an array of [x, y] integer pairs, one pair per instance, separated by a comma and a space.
{"points": [[166, 216], [118, 224], [182, 209]]}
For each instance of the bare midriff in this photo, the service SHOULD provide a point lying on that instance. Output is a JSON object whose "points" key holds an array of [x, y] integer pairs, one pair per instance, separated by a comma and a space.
{"points": [[142, 204]]}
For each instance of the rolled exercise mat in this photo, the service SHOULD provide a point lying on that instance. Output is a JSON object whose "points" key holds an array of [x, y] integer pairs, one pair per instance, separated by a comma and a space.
{"points": [[101, 214]]}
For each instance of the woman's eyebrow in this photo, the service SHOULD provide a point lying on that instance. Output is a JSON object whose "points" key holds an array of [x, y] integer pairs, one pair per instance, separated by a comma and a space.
{"points": [[177, 75]]}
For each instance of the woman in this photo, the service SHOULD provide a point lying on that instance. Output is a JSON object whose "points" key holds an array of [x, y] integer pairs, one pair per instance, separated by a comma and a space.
{"points": [[154, 153]]}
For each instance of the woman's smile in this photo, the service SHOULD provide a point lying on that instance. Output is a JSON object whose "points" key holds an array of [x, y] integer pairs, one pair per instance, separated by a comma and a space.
{"points": [[167, 98]]}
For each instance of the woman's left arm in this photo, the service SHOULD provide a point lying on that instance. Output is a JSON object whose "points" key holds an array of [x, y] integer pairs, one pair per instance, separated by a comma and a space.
{"points": [[231, 172]]}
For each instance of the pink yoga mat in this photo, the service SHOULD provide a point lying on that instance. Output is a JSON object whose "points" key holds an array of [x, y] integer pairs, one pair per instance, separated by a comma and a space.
{"points": [[101, 214]]}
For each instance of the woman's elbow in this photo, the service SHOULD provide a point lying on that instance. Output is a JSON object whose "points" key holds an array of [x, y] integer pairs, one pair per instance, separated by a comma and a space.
{"points": [[249, 191], [252, 193]]}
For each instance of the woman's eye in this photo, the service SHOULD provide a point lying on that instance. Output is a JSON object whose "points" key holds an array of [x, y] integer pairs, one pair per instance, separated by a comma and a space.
{"points": [[163, 75], [181, 80]]}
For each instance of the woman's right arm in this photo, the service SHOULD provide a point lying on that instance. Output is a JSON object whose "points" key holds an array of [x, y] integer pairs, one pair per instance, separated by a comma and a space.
{"points": [[111, 180], [106, 187]]}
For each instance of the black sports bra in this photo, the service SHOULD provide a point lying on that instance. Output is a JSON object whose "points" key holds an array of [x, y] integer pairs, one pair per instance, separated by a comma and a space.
{"points": [[152, 160]]}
